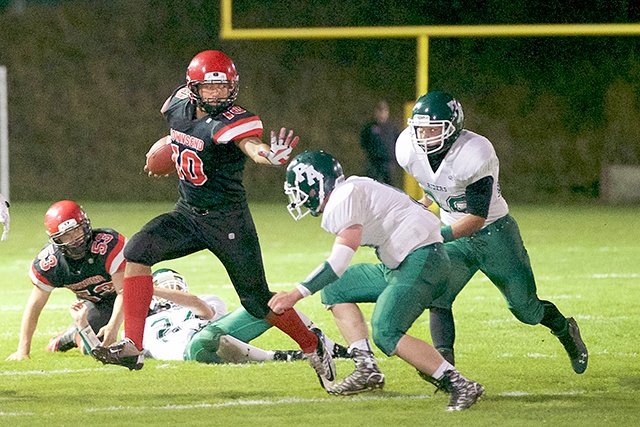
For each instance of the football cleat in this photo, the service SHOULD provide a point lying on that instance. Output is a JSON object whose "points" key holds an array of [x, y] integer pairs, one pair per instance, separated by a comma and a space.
{"points": [[64, 341], [575, 347], [341, 352], [123, 353], [428, 378], [288, 355], [322, 362], [464, 392], [365, 377]]}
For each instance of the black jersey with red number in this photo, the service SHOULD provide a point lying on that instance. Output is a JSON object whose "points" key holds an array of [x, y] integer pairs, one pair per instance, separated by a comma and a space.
{"points": [[90, 277], [209, 164]]}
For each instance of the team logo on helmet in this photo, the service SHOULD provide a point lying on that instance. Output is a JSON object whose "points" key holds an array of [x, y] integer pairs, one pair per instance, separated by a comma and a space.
{"points": [[311, 177], [436, 121]]}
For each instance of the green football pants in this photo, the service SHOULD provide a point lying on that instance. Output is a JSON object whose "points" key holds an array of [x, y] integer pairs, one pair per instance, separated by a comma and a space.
{"points": [[401, 295], [239, 324], [498, 251]]}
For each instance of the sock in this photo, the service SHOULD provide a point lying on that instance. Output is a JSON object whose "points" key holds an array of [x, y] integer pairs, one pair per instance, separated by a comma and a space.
{"points": [[444, 367], [290, 323], [361, 345], [89, 339], [553, 319], [310, 325], [249, 353], [137, 294]]}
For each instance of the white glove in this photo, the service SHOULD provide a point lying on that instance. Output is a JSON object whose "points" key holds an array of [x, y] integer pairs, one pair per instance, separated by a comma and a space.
{"points": [[280, 147], [5, 219]]}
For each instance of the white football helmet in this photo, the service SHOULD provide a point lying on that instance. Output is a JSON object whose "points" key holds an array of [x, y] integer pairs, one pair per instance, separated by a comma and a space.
{"points": [[168, 279]]}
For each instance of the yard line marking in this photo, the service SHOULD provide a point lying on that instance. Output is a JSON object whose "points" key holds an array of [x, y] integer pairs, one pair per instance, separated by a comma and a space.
{"points": [[16, 414], [55, 372], [526, 393], [252, 403]]}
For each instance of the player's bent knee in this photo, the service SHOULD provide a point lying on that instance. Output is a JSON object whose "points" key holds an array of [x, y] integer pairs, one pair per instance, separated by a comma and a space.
{"points": [[528, 315], [386, 339], [138, 250], [255, 308], [204, 345]]}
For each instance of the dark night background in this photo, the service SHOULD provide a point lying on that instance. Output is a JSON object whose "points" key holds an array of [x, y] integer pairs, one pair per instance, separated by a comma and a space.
{"points": [[87, 79]]}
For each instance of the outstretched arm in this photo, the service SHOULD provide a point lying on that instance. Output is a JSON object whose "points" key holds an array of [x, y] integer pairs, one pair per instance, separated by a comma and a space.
{"points": [[185, 299], [36, 303], [277, 154], [344, 247]]}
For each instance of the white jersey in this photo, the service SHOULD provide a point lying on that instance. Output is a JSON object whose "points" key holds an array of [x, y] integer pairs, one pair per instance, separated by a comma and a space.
{"points": [[392, 223], [167, 333], [470, 158]]}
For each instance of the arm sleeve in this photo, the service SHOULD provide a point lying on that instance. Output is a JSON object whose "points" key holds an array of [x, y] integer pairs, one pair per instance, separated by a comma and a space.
{"points": [[478, 196]]}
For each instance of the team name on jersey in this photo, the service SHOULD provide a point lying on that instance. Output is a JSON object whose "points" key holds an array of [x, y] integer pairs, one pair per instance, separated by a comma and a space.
{"points": [[86, 283], [435, 187], [187, 140]]}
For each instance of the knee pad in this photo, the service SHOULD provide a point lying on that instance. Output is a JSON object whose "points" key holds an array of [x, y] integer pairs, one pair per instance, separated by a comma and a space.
{"points": [[386, 338], [204, 345], [530, 314]]}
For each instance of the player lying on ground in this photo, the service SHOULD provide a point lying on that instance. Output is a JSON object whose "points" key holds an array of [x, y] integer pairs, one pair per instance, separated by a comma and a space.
{"points": [[413, 271], [183, 326]]}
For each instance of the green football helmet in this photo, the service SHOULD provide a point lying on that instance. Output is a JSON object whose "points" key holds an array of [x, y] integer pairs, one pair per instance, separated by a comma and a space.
{"points": [[436, 110], [311, 176]]}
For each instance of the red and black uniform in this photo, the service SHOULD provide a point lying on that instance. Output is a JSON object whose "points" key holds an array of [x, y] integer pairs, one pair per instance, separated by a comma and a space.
{"points": [[89, 277], [212, 212]]}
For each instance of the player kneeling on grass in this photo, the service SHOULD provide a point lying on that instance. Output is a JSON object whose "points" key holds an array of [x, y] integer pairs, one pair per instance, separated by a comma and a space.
{"points": [[413, 272], [183, 326], [87, 261]]}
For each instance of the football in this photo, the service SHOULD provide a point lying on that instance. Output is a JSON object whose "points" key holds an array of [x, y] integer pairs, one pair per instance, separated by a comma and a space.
{"points": [[159, 160]]}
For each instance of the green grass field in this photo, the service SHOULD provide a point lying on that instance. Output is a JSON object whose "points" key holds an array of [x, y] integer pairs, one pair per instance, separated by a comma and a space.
{"points": [[586, 261]]}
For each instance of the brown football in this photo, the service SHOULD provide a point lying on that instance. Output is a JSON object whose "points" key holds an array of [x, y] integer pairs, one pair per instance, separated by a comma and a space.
{"points": [[159, 157]]}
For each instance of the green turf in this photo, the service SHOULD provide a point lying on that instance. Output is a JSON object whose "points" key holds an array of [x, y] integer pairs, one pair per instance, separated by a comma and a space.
{"points": [[586, 260]]}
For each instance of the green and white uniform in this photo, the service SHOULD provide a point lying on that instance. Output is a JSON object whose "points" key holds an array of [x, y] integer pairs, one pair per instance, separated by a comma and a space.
{"points": [[407, 240], [168, 332], [497, 249]]}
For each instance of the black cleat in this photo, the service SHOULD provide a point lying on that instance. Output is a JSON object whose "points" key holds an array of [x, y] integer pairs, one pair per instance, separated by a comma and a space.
{"points": [[288, 355], [575, 347], [123, 353]]}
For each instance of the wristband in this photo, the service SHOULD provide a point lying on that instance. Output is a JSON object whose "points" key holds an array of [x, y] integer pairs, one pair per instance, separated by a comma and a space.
{"points": [[447, 233], [322, 276]]}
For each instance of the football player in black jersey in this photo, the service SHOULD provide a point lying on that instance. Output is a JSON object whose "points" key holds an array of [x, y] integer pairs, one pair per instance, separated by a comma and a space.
{"points": [[89, 262], [211, 139]]}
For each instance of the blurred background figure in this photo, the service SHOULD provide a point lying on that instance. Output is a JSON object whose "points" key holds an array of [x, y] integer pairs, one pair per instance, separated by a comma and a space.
{"points": [[5, 219], [378, 139]]}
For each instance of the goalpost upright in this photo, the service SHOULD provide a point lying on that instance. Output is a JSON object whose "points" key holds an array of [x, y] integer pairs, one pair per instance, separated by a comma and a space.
{"points": [[4, 134]]}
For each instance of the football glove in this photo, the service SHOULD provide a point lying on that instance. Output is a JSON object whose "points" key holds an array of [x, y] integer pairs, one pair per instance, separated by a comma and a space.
{"points": [[4, 217], [281, 147]]}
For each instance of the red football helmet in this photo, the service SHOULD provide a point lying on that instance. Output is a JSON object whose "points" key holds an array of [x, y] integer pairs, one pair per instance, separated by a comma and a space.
{"points": [[212, 66], [63, 218]]}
